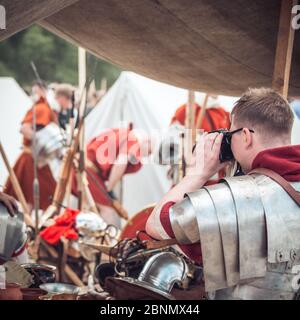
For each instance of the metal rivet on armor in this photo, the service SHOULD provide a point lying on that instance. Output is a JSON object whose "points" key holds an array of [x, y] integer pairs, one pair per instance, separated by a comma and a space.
{"points": [[297, 255], [293, 254], [279, 256]]}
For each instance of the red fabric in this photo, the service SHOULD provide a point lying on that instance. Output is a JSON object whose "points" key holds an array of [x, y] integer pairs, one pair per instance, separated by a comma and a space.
{"points": [[112, 143], [193, 251], [219, 117], [44, 115], [284, 160], [64, 226], [24, 170], [94, 181], [137, 223]]}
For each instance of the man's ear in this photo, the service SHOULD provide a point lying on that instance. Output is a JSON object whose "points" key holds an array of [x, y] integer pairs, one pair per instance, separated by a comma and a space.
{"points": [[247, 137]]}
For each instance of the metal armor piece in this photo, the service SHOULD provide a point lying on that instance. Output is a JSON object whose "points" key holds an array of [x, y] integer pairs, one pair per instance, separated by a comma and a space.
{"points": [[185, 225], [251, 226], [225, 210], [168, 151], [249, 230], [283, 220], [160, 273], [49, 141], [211, 240], [12, 233]]}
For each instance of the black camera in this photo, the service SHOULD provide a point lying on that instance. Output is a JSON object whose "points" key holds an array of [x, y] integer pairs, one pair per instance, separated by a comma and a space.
{"points": [[225, 151]]}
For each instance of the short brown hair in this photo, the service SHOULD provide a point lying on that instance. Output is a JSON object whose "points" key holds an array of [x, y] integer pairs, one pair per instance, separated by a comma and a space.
{"points": [[265, 110], [65, 90]]}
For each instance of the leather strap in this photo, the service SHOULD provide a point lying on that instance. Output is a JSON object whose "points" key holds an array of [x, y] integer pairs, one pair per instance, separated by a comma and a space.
{"points": [[293, 193], [157, 244]]}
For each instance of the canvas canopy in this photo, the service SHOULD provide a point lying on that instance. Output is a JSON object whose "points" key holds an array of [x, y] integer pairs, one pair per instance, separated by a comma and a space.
{"points": [[206, 45]]}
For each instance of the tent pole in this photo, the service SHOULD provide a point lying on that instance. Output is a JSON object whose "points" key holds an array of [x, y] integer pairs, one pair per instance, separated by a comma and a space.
{"points": [[189, 126], [201, 114], [284, 49], [103, 85], [81, 85], [189, 111], [121, 188]]}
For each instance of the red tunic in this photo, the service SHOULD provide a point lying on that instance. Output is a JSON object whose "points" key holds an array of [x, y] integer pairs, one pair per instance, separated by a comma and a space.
{"points": [[44, 115], [215, 118], [24, 166], [102, 152]]}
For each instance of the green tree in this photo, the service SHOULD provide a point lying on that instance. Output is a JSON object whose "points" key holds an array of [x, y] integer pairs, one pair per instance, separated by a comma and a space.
{"points": [[55, 58]]}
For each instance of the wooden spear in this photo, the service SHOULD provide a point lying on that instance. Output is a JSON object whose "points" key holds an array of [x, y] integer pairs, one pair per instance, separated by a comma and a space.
{"points": [[15, 183]]}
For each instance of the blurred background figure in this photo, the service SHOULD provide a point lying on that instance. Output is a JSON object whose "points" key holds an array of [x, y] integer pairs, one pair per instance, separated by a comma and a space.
{"points": [[94, 96], [215, 117], [110, 155], [295, 104], [24, 166], [93, 100], [63, 95]]}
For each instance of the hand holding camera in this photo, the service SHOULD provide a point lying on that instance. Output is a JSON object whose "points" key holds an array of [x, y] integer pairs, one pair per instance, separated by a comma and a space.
{"points": [[205, 160]]}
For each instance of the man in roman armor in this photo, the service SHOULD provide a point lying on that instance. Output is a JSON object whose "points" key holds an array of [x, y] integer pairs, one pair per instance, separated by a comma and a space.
{"points": [[244, 230]]}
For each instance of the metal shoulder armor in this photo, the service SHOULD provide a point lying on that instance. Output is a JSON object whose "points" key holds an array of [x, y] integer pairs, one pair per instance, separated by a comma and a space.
{"points": [[246, 226], [184, 222]]}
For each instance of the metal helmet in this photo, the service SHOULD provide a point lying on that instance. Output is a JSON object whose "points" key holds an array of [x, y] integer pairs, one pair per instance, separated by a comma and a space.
{"points": [[168, 149], [160, 273], [12, 233]]}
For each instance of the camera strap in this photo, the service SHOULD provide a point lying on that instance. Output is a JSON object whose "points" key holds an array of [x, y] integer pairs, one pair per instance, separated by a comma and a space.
{"points": [[293, 193]]}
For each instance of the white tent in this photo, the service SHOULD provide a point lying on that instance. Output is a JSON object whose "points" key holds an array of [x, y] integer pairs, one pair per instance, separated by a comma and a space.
{"points": [[149, 105], [13, 103]]}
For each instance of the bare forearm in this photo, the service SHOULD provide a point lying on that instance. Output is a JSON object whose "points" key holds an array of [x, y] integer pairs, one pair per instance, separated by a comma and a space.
{"points": [[205, 163], [27, 131], [116, 173], [186, 185]]}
